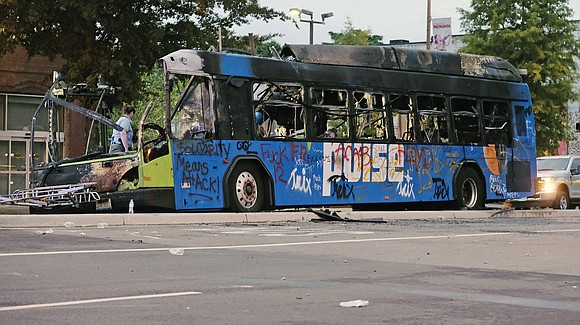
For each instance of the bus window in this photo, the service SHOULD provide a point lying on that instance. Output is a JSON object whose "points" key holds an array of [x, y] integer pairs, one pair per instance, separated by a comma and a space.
{"points": [[370, 116], [521, 126], [331, 113], [278, 110], [195, 118], [466, 121], [402, 116], [496, 121], [433, 119]]}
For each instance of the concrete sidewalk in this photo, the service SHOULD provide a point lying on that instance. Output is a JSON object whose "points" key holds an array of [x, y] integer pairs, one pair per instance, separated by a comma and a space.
{"points": [[23, 220]]}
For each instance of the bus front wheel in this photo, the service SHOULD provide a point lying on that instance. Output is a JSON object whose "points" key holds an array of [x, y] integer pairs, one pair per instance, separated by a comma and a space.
{"points": [[469, 190], [246, 189]]}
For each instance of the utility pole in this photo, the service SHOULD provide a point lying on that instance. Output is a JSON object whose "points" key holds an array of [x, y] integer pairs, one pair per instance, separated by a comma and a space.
{"points": [[428, 41]]}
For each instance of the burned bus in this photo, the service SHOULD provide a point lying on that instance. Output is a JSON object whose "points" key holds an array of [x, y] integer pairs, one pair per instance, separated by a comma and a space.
{"points": [[322, 126]]}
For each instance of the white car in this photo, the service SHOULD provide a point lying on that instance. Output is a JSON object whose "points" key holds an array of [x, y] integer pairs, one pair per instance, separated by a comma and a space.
{"points": [[558, 184]]}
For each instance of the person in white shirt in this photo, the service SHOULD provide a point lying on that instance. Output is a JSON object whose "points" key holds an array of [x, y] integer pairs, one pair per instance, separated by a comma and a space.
{"points": [[122, 141]]}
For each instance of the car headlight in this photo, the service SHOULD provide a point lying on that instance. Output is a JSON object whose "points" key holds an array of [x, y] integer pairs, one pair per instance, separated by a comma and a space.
{"points": [[548, 185]]}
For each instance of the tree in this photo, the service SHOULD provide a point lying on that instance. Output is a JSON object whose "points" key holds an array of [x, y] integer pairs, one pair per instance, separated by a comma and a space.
{"points": [[120, 39], [352, 36], [537, 36]]}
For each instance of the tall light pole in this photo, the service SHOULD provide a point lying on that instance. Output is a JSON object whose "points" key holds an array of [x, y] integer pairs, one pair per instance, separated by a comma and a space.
{"points": [[297, 14], [428, 42]]}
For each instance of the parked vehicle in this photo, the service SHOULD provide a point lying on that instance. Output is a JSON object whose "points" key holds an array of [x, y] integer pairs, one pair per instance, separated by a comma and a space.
{"points": [[558, 184]]}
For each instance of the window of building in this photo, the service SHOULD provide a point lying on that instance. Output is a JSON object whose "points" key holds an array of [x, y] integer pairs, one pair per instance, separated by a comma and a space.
{"points": [[370, 116], [20, 110], [331, 113]]}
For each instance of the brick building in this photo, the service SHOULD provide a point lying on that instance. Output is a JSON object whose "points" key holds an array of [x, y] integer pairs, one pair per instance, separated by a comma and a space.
{"points": [[23, 82]]}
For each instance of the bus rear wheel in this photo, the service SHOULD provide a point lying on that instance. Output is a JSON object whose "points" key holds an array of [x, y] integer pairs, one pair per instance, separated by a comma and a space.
{"points": [[469, 190], [246, 189]]}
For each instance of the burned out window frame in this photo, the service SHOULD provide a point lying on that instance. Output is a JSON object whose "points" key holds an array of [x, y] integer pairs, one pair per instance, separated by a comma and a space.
{"points": [[460, 115], [325, 111], [401, 104], [271, 102], [193, 128], [433, 118], [497, 127], [374, 116]]}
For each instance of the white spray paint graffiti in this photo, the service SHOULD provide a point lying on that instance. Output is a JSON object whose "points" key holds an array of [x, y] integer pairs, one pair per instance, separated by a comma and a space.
{"points": [[405, 187], [300, 183], [367, 162]]}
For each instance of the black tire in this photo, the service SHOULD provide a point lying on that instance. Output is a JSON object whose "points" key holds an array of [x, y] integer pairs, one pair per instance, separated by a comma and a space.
{"points": [[562, 200], [470, 191], [246, 188]]}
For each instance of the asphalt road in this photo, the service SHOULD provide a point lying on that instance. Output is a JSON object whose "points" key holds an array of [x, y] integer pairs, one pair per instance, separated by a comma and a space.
{"points": [[501, 270]]}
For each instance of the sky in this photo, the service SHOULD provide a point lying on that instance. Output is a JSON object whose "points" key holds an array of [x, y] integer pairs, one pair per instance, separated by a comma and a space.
{"points": [[392, 19]]}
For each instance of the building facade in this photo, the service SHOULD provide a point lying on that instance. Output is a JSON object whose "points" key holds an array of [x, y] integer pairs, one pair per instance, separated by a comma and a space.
{"points": [[23, 82]]}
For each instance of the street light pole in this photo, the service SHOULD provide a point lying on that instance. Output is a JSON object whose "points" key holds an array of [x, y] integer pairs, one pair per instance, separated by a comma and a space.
{"points": [[297, 13]]}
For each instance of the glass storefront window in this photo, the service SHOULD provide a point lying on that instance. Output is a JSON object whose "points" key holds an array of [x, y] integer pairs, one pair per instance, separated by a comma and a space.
{"points": [[2, 110], [20, 111], [4, 155]]}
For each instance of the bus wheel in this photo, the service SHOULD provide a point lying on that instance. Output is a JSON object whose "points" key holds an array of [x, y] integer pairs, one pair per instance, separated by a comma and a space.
{"points": [[246, 189], [469, 190], [562, 201]]}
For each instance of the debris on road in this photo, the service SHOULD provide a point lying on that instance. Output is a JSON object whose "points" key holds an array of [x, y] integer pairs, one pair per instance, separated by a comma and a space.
{"points": [[354, 303]]}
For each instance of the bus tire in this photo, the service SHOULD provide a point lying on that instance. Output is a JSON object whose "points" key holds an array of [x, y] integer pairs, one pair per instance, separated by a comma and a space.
{"points": [[247, 190], [562, 200], [470, 190]]}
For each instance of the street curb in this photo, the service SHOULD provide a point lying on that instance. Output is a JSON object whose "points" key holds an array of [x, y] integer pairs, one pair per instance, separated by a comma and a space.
{"points": [[90, 220]]}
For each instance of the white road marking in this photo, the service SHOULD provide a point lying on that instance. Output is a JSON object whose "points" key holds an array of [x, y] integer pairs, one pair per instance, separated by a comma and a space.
{"points": [[307, 243], [94, 301]]}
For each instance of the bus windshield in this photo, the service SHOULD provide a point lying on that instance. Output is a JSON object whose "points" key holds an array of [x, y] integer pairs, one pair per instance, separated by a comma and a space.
{"points": [[194, 115]]}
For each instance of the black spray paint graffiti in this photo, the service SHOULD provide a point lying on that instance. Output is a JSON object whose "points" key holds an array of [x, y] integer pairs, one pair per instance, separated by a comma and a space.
{"points": [[203, 148], [441, 190], [244, 145], [339, 187], [195, 175]]}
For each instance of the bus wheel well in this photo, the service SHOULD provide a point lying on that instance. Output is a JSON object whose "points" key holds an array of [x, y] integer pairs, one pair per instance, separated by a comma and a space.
{"points": [[469, 187], [266, 179], [130, 180]]}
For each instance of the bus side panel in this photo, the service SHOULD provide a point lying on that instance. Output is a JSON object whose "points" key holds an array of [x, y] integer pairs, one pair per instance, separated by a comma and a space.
{"points": [[316, 173], [327, 173], [198, 166]]}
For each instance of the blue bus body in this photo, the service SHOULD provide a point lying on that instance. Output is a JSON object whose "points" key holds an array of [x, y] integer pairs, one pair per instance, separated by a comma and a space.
{"points": [[306, 173]]}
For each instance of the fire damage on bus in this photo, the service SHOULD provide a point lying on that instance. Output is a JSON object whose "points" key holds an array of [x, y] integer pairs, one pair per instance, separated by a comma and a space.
{"points": [[230, 123]]}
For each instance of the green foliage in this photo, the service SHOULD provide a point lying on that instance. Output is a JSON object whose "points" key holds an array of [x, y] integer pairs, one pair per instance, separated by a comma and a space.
{"points": [[121, 39], [352, 36], [264, 49], [536, 35]]}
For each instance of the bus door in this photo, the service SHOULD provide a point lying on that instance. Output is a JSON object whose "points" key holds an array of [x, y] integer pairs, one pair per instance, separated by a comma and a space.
{"points": [[498, 143], [198, 170], [521, 166]]}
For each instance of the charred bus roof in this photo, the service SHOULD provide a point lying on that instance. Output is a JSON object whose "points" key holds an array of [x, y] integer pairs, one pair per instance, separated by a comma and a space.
{"points": [[396, 58], [203, 63]]}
